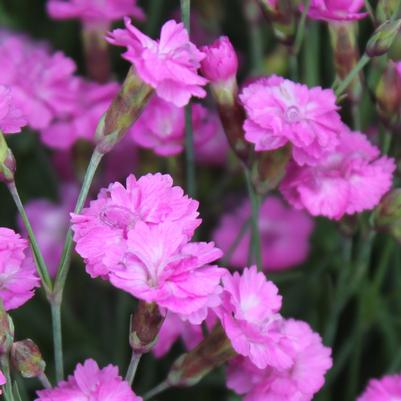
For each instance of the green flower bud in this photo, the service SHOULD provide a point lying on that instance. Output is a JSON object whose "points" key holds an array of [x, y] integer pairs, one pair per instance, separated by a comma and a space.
{"points": [[383, 38], [27, 359]]}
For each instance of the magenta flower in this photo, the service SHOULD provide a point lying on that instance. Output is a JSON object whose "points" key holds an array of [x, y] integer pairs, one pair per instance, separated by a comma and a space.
{"points": [[170, 65], [11, 117], [91, 383], [98, 11], [336, 10], [18, 278], [249, 315], [300, 382], [281, 112], [350, 180], [284, 234], [388, 388]]}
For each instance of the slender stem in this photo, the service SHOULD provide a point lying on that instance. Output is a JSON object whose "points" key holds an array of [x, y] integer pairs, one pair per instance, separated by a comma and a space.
{"points": [[40, 263], [8, 387], [133, 366], [369, 9], [186, 13], [311, 55], [301, 28], [236, 242], [156, 390], [383, 263], [57, 339], [44, 381]]}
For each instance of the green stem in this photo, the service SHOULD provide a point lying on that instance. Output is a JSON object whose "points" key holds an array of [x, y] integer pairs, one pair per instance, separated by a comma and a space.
{"points": [[156, 390], [132, 368], [55, 308], [44, 381], [236, 242], [301, 28], [40, 263], [383, 264], [370, 11], [311, 56], [8, 387]]}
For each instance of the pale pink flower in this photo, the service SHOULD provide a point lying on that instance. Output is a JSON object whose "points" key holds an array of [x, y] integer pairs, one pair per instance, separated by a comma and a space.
{"points": [[50, 222], [350, 180], [336, 10], [18, 278], [11, 117], [105, 224], [284, 234], [170, 65], [89, 382], [249, 315], [300, 382], [388, 388], [98, 11], [3, 381], [281, 112]]}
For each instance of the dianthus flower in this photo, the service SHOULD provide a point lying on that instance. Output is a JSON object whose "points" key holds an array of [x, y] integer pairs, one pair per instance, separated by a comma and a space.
{"points": [[104, 225], [92, 101], [279, 111], [249, 316], [388, 388], [170, 65], [11, 117], [284, 234], [350, 180], [336, 10], [18, 278], [98, 11], [91, 383], [300, 382], [2, 380], [50, 222]]}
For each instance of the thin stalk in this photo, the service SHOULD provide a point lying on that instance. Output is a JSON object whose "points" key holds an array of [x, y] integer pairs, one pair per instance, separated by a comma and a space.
{"points": [[44, 381], [236, 242], [156, 390], [370, 11], [301, 28], [311, 56], [57, 340], [383, 264], [132, 368], [8, 387], [40, 262]]}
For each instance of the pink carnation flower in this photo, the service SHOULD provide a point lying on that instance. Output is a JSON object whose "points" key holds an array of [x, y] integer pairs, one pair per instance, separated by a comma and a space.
{"points": [[91, 383], [18, 278], [388, 388], [300, 382], [11, 117], [350, 180], [249, 315], [336, 10], [280, 111], [50, 222], [99, 11], [284, 234], [2, 381], [169, 65]]}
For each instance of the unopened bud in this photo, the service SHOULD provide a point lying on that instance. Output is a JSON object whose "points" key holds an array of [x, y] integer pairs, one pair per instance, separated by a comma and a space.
{"points": [[6, 331], [27, 359], [7, 161], [389, 210], [213, 351], [383, 38], [144, 327]]}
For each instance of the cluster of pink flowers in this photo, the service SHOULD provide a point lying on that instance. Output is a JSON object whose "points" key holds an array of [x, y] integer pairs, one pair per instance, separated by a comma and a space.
{"points": [[336, 10], [284, 234], [388, 388], [89, 382], [18, 278]]}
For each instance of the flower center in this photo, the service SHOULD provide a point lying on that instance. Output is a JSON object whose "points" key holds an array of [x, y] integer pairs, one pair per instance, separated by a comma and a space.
{"points": [[292, 115], [118, 217]]}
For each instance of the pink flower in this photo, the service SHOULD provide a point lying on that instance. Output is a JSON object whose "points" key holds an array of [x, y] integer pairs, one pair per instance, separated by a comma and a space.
{"points": [[350, 180], [280, 111], [300, 382], [284, 234], [50, 222], [99, 11], [169, 65], [2, 381], [11, 117], [91, 383], [105, 224], [249, 315], [221, 62], [336, 10], [18, 277], [388, 388]]}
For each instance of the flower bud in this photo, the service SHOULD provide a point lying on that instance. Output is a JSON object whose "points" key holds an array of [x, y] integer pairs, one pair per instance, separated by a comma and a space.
{"points": [[382, 38], [213, 351], [389, 210], [6, 331], [144, 327], [27, 359], [7, 161]]}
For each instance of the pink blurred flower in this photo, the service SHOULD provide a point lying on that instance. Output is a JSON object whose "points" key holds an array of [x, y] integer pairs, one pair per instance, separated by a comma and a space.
{"points": [[2, 381], [350, 180], [92, 101], [249, 315], [18, 278], [50, 222], [99, 11], [280, 111], [91, 383], [169, 65], [284, 234], [388, 388], [105, 224], [11, 117], [336, 10], [300, 382]]}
